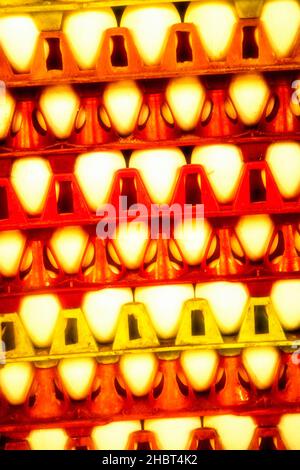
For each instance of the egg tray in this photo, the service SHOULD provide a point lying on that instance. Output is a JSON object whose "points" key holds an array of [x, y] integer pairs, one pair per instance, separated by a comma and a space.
{"points": [[193, 189], [70, 208], [41, 275], [252, 196], [183, 54], [89, 131], [48, 403], [265, 437], [135, 333], [38, 278]]}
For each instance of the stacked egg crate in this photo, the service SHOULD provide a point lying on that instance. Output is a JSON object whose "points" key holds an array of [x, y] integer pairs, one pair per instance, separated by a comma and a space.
{"points": [[188, 343]]}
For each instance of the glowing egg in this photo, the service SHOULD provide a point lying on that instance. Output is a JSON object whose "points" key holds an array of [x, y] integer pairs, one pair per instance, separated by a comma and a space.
{"points": [[18, 38], [48, 439], [15, 381], [31, 179], [59, 105], [283, 159], [131, 241], [150, 26], [254, 233], [249, 93], [227, 301], [69, 244], [115, 435], [95, 172], [215, 22], [39, 315], [77, 376], [223, 165], [261, 364], [173, 433], [200, 367], [123, 101], [192, 236], [285, 297], [102, 309], [281, 20], [85, 33], [12, 244], [7, 109], [164, 304], [185, 97], [235, 432], [159, 169], [138, 371], [289, 428]]}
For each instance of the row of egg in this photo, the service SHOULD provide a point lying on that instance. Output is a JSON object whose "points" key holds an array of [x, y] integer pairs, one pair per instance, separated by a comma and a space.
{"points": [[159, 169], [150, 25], [70, 249], [40, 313], [140, 374], [234, 432], [123, 108]]}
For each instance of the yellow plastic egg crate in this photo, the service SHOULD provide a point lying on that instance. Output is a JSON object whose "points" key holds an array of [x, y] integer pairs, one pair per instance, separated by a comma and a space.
{"points": [[135, 333]]}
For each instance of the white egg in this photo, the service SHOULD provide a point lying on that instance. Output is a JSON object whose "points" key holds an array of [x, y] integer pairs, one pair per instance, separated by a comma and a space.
{"points": [[150, 26], [235, 432], [261, 363], [249, 93], [285, 297], [255, 232], [138, 371], [115, 435], [18, 38], [123, 101], [69, 244], [85, 33], [12, 244], [77, 376], [227, 301], [223, 165], [39, 315], [30, 178], [215, 22], [7, 109], [102, 308], [283, 159], [164, 304], [281, 20], [289, 428], [200, 367], [159, 169], [48, 439], [15, 381], [131, 240], [173, 433], [59, 105], [192, 236], [95, 172], [185, 97]]}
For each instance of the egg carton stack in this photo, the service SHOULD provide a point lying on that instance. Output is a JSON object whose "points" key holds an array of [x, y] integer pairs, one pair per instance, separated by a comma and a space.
{"points": [[140, 341]]}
